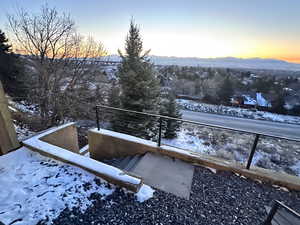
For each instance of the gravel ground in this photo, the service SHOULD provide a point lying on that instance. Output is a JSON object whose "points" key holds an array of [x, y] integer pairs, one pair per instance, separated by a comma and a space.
{"points": [[216, 199]]}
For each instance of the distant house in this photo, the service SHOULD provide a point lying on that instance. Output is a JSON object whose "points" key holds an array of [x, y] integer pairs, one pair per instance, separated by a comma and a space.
{"points": [[237, 100], [262, 101], [251, 99], [243, 98]]}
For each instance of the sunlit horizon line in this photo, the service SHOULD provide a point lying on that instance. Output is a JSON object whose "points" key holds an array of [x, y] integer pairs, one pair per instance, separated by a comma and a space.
{"points": [[283, 58], [286, 59]]}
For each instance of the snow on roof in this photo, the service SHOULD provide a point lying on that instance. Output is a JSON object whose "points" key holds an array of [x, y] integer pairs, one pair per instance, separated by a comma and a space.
{"points": [[248, 100], [261, 101]]}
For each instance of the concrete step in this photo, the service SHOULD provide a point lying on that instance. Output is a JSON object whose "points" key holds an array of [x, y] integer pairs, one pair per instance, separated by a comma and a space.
{"points": [[125, 163], [133, 162], [165, 173], [113, 162]]}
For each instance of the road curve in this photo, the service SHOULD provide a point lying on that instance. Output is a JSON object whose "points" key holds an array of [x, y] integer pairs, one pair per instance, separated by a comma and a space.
{"points": [[288, 131]]}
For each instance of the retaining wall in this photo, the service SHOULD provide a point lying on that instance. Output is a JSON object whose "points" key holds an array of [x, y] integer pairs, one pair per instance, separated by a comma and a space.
{"points": [[106, 144]]}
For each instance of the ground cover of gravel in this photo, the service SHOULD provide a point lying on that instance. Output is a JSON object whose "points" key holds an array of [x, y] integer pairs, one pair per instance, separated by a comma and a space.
{"points": [[216, 199]]}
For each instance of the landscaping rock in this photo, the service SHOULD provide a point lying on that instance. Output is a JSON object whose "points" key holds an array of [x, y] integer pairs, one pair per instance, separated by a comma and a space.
{"points": [[216, 199]]}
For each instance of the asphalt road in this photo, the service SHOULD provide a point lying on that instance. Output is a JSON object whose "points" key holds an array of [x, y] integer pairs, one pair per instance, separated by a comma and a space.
{"points": [[288, 131]]}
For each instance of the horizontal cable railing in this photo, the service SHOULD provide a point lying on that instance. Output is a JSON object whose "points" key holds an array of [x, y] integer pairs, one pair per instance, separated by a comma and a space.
{"points": [[134, 119]]}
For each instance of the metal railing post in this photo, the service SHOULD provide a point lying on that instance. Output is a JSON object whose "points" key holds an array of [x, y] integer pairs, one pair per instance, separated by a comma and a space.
{"points": [[271, 214], [252, 151], [159, 132], [97, 118]]}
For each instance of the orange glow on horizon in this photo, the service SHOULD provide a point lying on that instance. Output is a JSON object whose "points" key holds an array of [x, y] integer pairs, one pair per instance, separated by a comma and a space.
{"points": [[254, 53], [291, 59]]}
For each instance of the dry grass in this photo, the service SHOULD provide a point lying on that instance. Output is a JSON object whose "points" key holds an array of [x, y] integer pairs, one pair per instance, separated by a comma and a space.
{"points": [[271, 153]]}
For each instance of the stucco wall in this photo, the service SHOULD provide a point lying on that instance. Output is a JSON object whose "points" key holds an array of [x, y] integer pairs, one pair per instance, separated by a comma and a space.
{"points": [[60, 143], [108, 147], [66, 138], [8, 137]]}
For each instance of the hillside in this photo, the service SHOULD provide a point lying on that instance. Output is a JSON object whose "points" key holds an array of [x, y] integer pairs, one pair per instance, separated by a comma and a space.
{"points": [[226, 62]]}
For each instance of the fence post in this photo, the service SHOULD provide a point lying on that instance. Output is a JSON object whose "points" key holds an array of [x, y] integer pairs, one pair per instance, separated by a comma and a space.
{"points": [[97, 118], [252, 151], [271, 214], [159, 132]]}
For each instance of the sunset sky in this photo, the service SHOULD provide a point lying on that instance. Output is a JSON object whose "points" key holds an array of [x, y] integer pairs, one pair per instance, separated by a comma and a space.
{"points": [[194, 28]]}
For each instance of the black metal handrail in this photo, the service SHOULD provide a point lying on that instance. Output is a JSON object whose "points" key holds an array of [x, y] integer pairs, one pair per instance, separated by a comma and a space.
{"points": [[275, 206], [161, 118]]}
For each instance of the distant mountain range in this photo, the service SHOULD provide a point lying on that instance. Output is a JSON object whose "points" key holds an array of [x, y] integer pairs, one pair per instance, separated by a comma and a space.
{"points": [[226, 62]]}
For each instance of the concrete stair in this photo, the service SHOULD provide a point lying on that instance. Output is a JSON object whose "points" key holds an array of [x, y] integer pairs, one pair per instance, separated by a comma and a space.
{"points": [[165, 173], [127, 163], [161, 172]]}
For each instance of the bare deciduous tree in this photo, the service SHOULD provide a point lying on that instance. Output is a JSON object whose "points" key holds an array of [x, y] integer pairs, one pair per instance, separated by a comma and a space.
{"points": [[65, 62]]}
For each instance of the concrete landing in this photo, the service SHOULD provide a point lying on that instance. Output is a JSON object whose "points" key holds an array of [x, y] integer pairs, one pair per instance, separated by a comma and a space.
{"points": [[167, 174]]}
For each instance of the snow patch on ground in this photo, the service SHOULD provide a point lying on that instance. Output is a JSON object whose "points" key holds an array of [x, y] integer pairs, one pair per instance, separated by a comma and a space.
{"points": [[22, 132], [186, 140], [23, 106], [271, 153], [34, 187], [145, 193], [296, 168], [237, 112]]}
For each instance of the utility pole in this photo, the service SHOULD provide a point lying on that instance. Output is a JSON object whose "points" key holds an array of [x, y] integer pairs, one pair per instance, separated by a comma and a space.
{"points": [[8, 136]]}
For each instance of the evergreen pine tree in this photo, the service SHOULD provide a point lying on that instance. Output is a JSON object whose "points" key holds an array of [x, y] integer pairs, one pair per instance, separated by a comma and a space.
{"points": [[114, 101], [4, 46], [139, 86], [225, 91], [11, 69], [198, 86], [114, 96], [278, 103], [170, 108]]}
